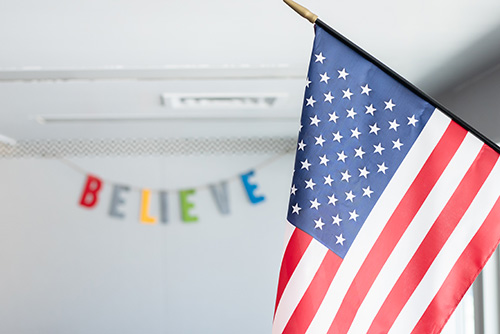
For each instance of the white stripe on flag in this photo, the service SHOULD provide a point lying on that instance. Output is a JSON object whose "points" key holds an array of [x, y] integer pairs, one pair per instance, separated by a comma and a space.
{"points": [[374, 224], [416, 232], [289, 229], [298, 284], [454, 247]]}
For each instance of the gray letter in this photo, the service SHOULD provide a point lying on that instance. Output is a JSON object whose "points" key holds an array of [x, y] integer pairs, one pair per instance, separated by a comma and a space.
{"points": [[163, 207], [116, 200], [221, 197]]}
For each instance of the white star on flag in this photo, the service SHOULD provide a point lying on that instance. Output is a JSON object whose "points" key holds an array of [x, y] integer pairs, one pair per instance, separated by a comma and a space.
{"points": [[320, 58], [355, 133], [340, 239], [378, 148], [310, 184], [367, 191], [305, 164], [349, 196], [363, 172], [412, 120], [389, 105], [324, 78], [315, 120], [347, 94], [319, 140], [296, 208], [343, 74], [351, 113], [353, 215], [359, 152], [319, 223], [393, 125], [345, 176], [370, 109], [381, 168], [342, 156], [374, 129], [337, 136], [336, 220], [329, 97], [397, 144], [328, 179], [332, 199], [333, 117], [366, 90], [323, 160], [315, 204], [310, 101]]}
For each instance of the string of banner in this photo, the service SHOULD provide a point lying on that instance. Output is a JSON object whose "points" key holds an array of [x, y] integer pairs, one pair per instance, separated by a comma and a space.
{"points": [[90, 195]]}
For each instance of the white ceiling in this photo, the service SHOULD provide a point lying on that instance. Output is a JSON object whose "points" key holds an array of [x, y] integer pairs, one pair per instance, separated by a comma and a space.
{"points": [[113, 58]]}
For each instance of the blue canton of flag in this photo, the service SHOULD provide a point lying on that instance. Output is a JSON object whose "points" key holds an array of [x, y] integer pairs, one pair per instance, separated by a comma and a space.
{"points": [[357, 126]]}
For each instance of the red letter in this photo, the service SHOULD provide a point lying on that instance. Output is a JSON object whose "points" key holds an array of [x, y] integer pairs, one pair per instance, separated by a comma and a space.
{"points": [[89, 195]]}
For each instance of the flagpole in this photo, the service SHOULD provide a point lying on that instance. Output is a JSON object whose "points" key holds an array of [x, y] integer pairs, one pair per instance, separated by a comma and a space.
{"points": [[313, 18], [302, 11]]}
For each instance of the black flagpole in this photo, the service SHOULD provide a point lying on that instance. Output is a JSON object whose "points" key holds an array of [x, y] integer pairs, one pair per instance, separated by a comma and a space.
{"points": [[304, 12]]}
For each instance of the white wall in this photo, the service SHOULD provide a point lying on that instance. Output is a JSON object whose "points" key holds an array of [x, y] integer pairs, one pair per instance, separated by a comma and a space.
{"points": [[476, 100], [67, 269]]}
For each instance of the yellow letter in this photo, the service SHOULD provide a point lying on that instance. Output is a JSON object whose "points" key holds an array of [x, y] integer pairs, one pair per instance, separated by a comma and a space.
{"points": [[145, 217]]}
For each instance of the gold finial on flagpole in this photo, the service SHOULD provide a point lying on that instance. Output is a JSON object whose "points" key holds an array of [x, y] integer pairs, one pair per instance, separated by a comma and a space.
{"points": [[302, 11]]}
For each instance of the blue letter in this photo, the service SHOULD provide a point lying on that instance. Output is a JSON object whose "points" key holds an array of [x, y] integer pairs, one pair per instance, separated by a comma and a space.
{"points": [[250, 188]]}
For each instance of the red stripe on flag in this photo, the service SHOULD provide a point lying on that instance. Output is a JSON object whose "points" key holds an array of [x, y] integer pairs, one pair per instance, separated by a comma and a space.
{"points": [[461, 276], [434, 240], [313, 297], [396, 226], [297, 245]]}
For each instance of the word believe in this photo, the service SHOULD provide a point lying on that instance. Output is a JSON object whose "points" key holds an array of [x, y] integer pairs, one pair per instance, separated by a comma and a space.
{"points": [[93, 185]]}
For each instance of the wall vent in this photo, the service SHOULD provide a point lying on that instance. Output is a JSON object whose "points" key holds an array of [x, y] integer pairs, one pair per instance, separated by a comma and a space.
{"points": [[223, 100]]}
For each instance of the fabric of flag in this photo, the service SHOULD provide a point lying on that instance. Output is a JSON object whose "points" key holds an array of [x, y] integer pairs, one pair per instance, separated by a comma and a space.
{"points": [[394, 207]]}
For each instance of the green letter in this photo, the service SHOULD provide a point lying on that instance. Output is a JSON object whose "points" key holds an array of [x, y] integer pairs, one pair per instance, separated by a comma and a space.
{"points": [[186, 206]]}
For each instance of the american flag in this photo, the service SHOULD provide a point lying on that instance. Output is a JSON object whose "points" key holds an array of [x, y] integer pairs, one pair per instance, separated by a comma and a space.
{"points": [[394, 207]]}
